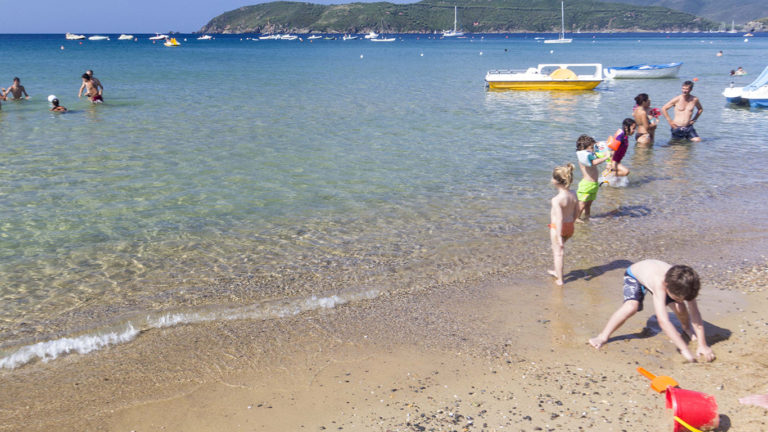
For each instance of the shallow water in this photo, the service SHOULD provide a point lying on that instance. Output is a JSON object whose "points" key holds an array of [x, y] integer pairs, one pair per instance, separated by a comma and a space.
{"points": [[235, 178]]}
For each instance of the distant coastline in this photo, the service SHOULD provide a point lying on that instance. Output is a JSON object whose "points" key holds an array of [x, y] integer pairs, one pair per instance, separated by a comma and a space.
{"points": [[496, 16]]}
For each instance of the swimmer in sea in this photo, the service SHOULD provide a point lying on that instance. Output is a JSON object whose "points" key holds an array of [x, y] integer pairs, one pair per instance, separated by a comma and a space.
{"points": [[55, 107], [91, 89]]}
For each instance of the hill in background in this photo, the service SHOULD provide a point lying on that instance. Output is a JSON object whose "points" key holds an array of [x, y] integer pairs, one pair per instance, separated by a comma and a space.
{"points": [[725, 11], [428, 16]]}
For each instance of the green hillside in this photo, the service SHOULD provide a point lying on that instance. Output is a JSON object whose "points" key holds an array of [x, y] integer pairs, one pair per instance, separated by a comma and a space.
{"points": [[427, 16], [726, 11]]}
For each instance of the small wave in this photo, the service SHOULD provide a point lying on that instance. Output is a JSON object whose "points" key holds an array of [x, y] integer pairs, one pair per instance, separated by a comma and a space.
{"points": [[51, 349], [84, 344]]}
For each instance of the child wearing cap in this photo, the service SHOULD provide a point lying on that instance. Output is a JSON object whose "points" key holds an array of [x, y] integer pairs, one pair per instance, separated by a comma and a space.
{"points": [[55, 107]]}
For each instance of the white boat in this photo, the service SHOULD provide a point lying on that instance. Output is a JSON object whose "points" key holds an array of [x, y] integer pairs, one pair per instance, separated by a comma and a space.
{"points": [[98, 38], [72, 36], [158, 36], [455, 31], [205, 37], [288, 37], [755, 94], [269, 37], [349, 37], [382, 39], [733, 27], [668, 70], [561, 39], [557, 76], [125, 37], [371, 35], [311, 37]]}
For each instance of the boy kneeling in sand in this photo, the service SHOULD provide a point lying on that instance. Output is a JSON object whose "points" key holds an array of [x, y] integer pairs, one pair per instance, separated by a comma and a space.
{"points": [[676, 286]]}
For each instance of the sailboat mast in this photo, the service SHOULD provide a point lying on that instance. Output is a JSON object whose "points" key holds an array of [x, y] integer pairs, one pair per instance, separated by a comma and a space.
{"points": [[562, 19], [455, 16]]}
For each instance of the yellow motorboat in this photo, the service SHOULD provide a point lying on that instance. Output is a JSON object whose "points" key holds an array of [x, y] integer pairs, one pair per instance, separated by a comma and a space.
{"points": [[561, 76], [171, 42]]}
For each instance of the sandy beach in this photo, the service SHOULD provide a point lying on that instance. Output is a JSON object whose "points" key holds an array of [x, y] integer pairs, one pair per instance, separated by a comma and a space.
{"points": [[502, 352]]}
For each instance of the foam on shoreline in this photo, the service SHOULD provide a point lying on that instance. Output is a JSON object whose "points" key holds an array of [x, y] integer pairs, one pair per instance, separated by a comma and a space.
{"points": [[84, 344]]}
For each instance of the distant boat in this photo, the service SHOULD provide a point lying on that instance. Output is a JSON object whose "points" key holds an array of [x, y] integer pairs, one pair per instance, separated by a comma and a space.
{"points": [[205, 37], [269, 37], [371, 35], [748, 34], [383, 39], [733, 27], [72, 36], [668, 70], [288, 37], [125, 37], [349, 37], [314, 37], [171, 42], [561, 39], [98, 38], [158, 36], [454, 32]]}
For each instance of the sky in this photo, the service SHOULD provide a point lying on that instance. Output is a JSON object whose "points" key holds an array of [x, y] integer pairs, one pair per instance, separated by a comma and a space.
{"points": [[113, 16]]}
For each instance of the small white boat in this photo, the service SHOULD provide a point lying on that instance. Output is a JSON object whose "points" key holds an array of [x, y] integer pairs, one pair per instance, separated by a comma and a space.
{"points": [[755, 94], [349, 37], [205, 37], [288, 37], [269, 37], [561, 39], [455, 31], [158, 36], [98, 38], [72, 36], [311, 37], [125, 37], [547, 77], [371, 35], [382, 39], [668, 70]]}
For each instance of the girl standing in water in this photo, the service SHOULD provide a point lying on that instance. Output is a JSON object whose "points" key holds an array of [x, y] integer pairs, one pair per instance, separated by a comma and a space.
{"points": [[565, 209]]}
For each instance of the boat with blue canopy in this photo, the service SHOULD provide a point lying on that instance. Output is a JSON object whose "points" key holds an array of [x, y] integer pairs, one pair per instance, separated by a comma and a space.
{"points": [[644, 71]]}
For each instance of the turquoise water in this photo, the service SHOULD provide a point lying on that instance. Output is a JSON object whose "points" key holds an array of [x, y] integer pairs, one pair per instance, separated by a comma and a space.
{"points": [[240, 178]]}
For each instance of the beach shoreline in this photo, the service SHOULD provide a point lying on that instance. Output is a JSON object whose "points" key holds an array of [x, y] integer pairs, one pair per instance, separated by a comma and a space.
{"points": [[500, 351]]}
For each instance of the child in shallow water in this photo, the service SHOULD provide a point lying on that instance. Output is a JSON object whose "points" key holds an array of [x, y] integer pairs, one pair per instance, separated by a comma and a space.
{"points": [[565, 210]]}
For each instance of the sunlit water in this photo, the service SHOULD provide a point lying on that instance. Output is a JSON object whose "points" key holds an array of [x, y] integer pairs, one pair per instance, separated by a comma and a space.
{"points": [[245, 179]]}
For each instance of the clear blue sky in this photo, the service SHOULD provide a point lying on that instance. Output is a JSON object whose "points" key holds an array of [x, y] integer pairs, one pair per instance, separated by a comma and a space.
{"points": [[118, 16]]}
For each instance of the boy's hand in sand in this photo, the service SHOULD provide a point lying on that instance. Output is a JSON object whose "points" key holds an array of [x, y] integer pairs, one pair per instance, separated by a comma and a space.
{"points": [[706, 352]]}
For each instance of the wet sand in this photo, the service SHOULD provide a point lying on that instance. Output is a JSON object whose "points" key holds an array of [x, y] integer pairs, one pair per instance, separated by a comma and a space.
{"points": [[502, 352]]}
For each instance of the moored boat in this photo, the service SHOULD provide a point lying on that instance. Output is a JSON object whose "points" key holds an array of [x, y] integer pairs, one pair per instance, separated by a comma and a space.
{"points": [[371, 35], [668, 70], [72, 36], [561, 39], [158, 36], [455, 32], [125, 37], [382, 39], [547, 77], [312, 37], [205, 37], [98, 38], [755, 94], [171, 42]]}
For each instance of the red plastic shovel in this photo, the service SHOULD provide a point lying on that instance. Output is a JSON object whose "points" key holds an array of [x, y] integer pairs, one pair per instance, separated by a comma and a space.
{"points": [[658, 383]]}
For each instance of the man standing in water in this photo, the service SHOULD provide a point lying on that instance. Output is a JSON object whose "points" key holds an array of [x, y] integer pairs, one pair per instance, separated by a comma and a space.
{"points": [[682, 125], [16, 89], [90, 89]]}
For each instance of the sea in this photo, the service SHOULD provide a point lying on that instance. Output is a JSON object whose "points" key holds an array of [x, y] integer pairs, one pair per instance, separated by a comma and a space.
{"points": [[238, 178]]}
